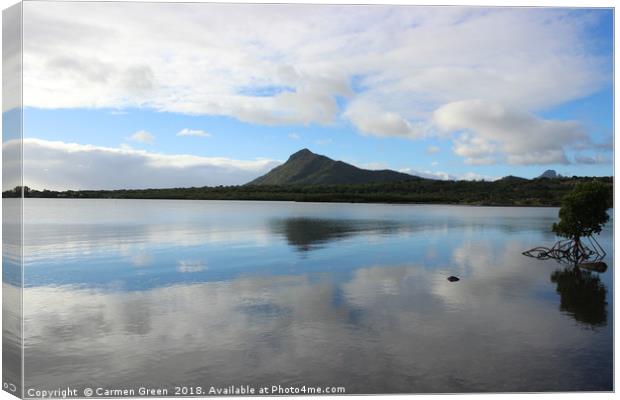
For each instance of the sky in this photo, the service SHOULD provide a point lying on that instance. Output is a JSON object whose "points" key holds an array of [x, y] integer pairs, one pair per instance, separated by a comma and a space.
{"points": [[135, 95]]}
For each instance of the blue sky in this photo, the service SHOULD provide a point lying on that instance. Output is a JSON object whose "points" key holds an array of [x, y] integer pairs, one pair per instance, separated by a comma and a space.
{"points": [[450, 93]]}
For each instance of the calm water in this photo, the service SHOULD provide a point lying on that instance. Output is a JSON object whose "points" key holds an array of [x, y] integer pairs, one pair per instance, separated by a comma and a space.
{"points": [[129, 293]]}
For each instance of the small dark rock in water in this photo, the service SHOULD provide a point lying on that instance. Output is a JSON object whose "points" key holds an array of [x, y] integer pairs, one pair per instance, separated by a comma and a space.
{"points": [[453, 279]]}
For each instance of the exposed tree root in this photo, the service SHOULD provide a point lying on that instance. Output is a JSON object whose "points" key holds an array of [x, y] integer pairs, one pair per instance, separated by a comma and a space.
{"points": [[570, 251]]}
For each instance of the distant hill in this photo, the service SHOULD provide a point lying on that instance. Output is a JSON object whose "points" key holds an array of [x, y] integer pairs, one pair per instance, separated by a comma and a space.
{"points": [[550, 174], [308, 168], [512, 178]]}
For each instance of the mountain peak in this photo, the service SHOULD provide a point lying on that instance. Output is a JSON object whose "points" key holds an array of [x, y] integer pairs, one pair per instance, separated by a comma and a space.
{"points": [[301, 153], [550, 174]]}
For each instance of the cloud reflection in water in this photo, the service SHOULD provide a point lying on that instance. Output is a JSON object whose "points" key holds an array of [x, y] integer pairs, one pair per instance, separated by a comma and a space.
{"points": [[368, 305]]}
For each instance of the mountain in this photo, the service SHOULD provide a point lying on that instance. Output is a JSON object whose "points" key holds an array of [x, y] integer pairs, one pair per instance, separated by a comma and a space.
{"points": [[308, 168], [512, 178], [550, 174]]}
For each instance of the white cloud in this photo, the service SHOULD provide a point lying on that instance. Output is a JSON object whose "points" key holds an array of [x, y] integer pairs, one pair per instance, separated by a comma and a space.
{"points": [[277, 64], [142, 137], [371, 119], [490, 133], [376, 165], [294, 136], [424, 173], [388, 71], [58, 165], [472, 176], [432, 149], [596, 159], [555, 156], [444, 176], [324, 142], [193, 132], [440, 175], [12, 60]]}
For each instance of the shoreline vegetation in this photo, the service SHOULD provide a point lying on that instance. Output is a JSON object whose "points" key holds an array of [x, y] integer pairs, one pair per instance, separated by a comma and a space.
{"points": [[508, 191]]}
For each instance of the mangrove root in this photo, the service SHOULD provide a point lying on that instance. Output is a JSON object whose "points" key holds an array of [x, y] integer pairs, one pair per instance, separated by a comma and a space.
{"points": [[570, 251]]}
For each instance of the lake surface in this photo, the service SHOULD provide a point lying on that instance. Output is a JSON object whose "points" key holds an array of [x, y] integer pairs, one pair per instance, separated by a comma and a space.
{"points": [[130, 293]]}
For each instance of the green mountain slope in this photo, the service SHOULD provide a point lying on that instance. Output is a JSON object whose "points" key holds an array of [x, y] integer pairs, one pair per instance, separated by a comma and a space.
{"points": [[308, 168]]}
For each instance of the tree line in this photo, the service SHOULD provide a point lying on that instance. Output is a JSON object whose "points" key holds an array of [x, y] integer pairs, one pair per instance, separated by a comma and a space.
{"points": [[509, 191]]}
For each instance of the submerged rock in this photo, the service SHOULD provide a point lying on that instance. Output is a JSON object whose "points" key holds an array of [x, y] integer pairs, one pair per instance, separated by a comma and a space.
{"points": [[453, 278]]}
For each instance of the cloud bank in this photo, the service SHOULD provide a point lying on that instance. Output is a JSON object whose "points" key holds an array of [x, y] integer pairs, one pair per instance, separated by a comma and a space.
{"points": [[492, 133], [406, 72], [57, 165]]}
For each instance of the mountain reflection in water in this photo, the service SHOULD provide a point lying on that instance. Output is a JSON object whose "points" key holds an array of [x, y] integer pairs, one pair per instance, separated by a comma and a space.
{"points": [[310, 233]]}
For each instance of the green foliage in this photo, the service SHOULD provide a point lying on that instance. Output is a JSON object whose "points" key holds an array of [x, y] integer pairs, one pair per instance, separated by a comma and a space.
{"points": [[584, 210], [16, 192]]}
